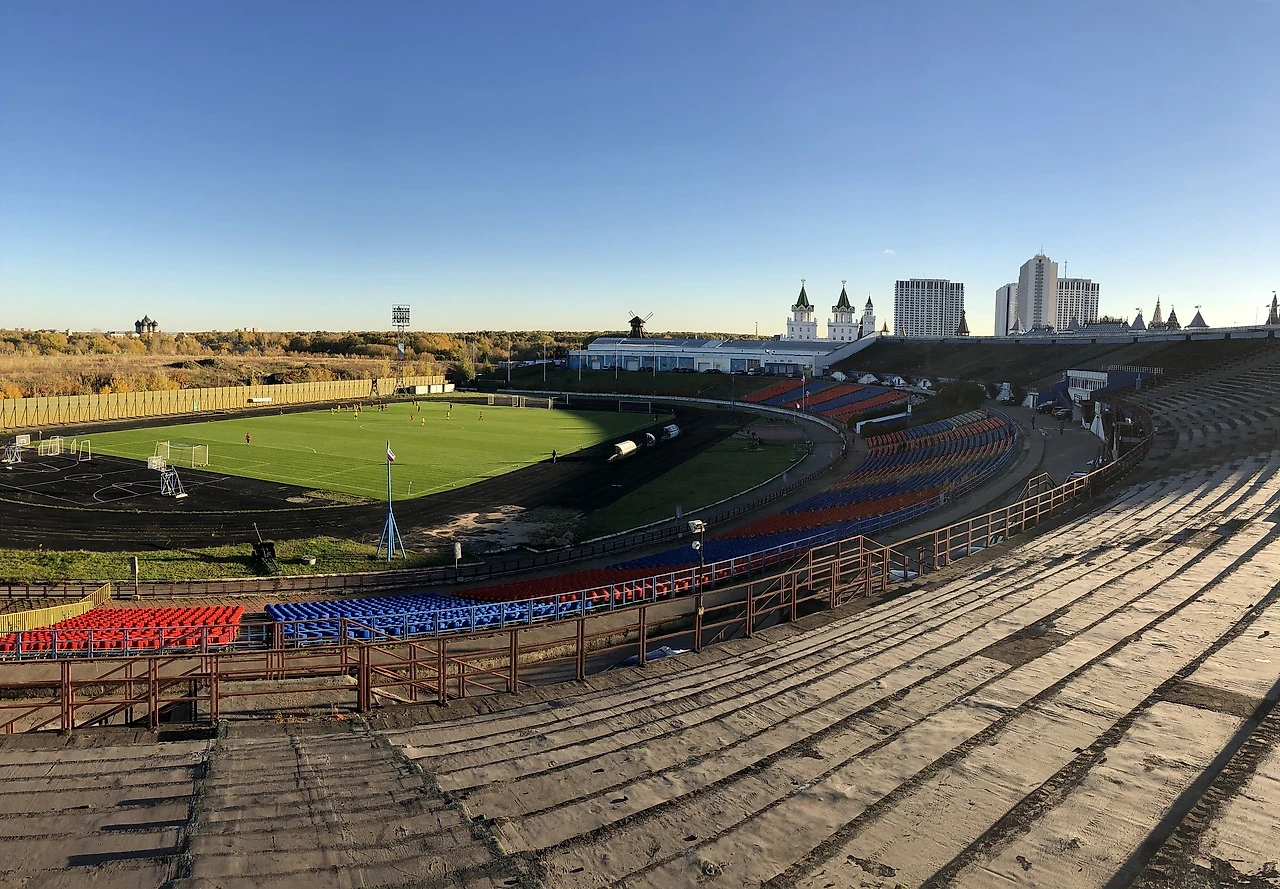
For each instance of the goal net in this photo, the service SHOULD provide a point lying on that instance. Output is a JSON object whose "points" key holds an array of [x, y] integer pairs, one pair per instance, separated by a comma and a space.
{"points": [[635, 407], [183, 453], [507, 400], [50, 447]]}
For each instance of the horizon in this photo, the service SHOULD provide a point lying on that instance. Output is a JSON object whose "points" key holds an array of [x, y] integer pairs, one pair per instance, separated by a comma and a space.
{"points": [[551, 169]]}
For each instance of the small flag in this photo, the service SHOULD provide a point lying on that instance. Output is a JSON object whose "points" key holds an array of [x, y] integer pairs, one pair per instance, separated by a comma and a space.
{"points": [[391, 457], [797, 405]]}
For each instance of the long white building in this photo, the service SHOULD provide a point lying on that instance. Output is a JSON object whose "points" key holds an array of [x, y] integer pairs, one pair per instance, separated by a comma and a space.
{"points": [[801, 350], [927, 307]]}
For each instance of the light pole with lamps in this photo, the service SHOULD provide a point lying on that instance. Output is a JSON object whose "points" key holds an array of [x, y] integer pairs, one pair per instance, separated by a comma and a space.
{"points": [[698, 528]]}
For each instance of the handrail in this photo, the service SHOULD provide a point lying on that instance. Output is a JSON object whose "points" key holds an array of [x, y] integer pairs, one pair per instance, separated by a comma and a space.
{"points": [[19, 621], [405, 671], [467, 618]]}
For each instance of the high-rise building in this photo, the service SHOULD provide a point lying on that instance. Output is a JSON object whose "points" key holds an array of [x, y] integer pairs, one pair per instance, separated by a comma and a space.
{"points": [[1006, 308], [927, 307], [1038, 292], [1077, 301]]}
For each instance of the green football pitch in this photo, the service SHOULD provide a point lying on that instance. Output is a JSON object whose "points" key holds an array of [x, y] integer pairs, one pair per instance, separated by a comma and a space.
{"points": [[346, 452]]}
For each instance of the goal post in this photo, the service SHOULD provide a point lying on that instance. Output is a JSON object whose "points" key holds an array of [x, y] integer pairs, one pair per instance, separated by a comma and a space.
{"points": [[49, 447], [188, 454]]}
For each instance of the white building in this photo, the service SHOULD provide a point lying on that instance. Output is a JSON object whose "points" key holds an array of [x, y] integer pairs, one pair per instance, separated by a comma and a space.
{"points": [[654, 354], [1006, 308], [927, 307], [843, 328], [1038, 293], [801, 325], [1077, 301]]}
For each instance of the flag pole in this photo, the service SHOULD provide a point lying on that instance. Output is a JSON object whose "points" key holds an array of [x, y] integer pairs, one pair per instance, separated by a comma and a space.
{"points": [[390, 532]]}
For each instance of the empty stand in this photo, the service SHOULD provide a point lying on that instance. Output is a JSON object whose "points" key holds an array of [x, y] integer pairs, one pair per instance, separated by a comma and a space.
{"points": [[1031, 715], [122, 630]]}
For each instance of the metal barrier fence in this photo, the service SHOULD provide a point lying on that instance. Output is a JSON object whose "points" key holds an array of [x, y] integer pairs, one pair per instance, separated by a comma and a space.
{"points": [[204, 684], [21, 621], [394, 670], [62, 410]]}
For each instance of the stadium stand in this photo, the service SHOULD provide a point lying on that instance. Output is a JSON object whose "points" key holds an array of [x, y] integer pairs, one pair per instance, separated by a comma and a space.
{"points": [[780, 388], [1227, 413], [130, 629], [903, 477], [798, 757], [909, 475]]}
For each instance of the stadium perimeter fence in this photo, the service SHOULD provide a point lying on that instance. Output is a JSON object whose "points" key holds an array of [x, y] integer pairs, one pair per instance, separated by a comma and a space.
{"points": [[62, 410], [504, 659]]}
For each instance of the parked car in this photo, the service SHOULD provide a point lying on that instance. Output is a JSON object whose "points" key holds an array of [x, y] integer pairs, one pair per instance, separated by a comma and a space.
{"points": [[1064, 413], [1046, 407]]}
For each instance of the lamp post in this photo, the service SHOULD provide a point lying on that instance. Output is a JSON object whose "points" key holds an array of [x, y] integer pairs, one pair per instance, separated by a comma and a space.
{"points": [[698, 528]]}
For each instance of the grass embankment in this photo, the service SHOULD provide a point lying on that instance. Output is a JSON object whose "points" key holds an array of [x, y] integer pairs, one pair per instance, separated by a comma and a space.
{"points": [[722, 387], [332, 556], [345, 451], [718, 472]]}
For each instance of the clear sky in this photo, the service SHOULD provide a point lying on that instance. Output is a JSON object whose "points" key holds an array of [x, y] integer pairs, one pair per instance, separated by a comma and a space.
{"points": [[539, 165]]}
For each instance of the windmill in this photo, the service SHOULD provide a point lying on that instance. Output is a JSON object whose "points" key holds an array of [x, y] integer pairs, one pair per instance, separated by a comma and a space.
{"points": [[637, 324]]}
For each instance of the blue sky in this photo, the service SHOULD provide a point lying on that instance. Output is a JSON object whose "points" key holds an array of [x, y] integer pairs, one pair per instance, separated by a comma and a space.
{"points": [[529, 165]]}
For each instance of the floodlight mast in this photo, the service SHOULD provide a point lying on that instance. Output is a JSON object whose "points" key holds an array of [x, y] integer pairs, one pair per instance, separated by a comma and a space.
{"points": [[400, 321]]}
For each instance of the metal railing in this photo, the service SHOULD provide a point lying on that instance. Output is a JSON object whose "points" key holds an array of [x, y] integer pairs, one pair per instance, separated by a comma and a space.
{"points": [[470, 618], [199, 685], [18, 621]]}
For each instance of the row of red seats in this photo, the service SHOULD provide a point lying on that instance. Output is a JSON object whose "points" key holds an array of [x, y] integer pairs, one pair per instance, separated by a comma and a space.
{"points": [[779, 388], [537, 587], [880, 448], [843, 414], [905, 471], [838, 391], [119, 629], [816, 518]]}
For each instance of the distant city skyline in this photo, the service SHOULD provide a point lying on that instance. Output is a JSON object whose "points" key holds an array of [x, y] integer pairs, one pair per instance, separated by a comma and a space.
{"points": [[551, 167]]}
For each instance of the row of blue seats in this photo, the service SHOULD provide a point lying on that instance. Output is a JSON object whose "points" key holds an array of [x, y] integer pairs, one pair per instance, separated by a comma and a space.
{"points": [[407, 615], [933, 452], [426, 614], [905, 462], [915, 481], [811, 387], [880, 490], [945, 425], [852, 398]]}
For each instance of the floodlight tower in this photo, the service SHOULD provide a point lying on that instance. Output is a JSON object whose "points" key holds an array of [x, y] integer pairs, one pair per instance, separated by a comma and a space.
{"points": [[400, 321]]}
